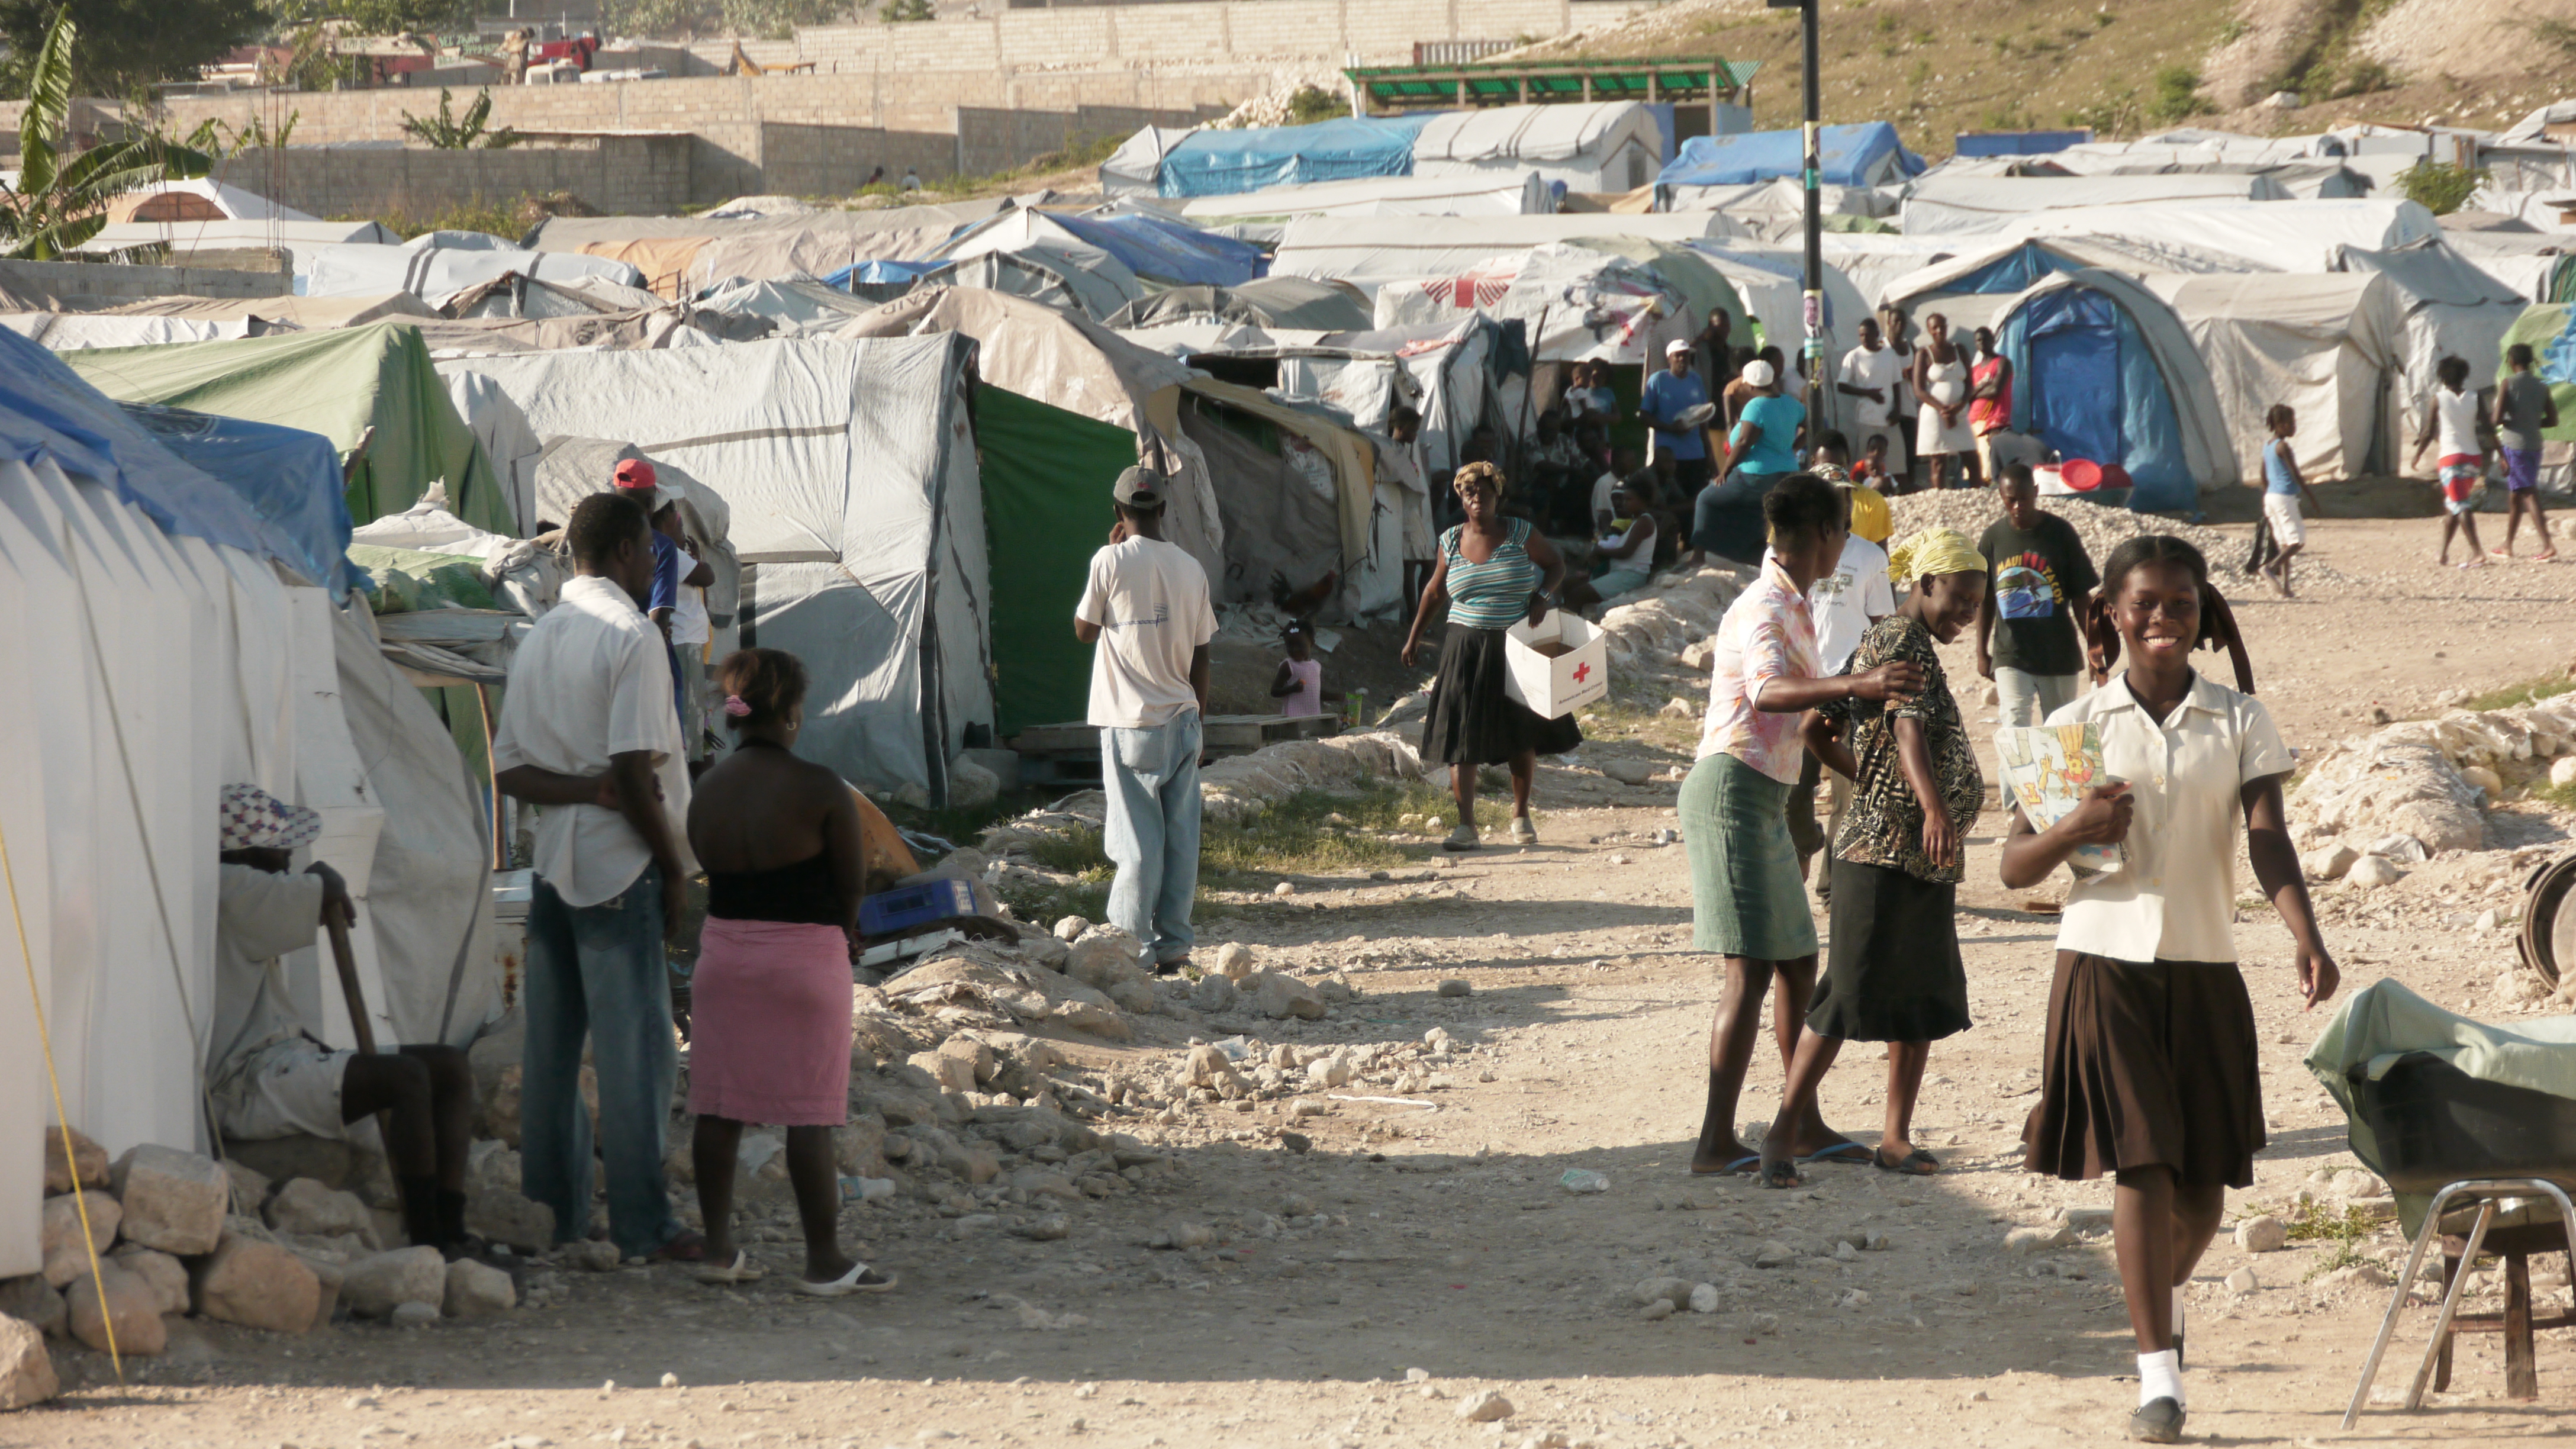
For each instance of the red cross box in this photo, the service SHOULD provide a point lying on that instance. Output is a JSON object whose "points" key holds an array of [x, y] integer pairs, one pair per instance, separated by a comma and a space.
{"points": [[1557, 665]]}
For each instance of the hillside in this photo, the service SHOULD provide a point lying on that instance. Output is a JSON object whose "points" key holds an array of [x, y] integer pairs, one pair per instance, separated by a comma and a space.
{"points": [[2126, 67]]}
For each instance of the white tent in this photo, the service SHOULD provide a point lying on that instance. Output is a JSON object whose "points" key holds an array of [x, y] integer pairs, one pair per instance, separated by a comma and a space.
{"points": [[1779, 200], [2448, 307], [1030, 254], [1600, 146], [1136, 167], [435, 274], [855, 502], [1468, 193], [1366, 252], [2327, 344], [196, 235], [1951, 205], [66, 331], [203, 199], [2288, 236], [1578, 303]]}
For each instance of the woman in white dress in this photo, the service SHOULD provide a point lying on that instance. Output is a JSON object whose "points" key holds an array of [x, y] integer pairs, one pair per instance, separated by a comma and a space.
{"points": [[1940, 378]]}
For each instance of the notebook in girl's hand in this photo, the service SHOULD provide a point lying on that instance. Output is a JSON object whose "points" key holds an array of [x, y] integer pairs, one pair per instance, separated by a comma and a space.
{"points": [[2046, 772]]}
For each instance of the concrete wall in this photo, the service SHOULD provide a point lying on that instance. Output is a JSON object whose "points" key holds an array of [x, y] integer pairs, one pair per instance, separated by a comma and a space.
{"points": [[110, 283], [640, 174]]}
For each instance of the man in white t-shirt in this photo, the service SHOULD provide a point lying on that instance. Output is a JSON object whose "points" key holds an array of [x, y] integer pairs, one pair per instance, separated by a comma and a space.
{"points": [[1872, 375], [1844, 604], [1146, 606]]}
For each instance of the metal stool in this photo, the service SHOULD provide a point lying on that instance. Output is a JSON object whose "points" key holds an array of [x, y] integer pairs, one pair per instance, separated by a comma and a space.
{"points": [[2485, 1190]]}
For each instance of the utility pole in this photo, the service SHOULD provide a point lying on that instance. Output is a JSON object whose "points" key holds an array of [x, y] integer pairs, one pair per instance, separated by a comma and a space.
{"points": [[1813, 309]]}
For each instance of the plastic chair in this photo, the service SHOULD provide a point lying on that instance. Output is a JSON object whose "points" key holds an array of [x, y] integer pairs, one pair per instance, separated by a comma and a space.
{"points": [[2485, 1190]]}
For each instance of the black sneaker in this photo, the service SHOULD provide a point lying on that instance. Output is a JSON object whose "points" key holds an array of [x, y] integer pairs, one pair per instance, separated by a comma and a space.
{"points": [[2160, 1422]]}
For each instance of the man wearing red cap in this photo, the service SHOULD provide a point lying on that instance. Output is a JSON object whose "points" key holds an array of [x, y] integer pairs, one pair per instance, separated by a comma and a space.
{"points": [[637, 479]]}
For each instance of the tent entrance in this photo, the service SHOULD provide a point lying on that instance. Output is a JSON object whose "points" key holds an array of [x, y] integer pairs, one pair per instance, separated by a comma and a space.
{"points": [[2074, 374]]}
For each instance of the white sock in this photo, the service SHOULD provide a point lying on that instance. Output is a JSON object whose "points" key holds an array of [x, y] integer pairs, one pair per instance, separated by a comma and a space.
{"points": [[2177, 1313], [2159, 1377]]}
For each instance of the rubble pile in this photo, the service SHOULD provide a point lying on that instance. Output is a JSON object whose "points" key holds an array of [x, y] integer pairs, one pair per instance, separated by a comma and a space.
{"points": [[1669, 622], [1972, 510], [2419, 788]]}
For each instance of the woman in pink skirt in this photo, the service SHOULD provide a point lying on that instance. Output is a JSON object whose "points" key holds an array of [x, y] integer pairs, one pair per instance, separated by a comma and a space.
{"points": [[770, 1035]]}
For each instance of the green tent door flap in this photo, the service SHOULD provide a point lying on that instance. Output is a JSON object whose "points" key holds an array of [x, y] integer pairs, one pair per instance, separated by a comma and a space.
{"points": [[1047, 476]]}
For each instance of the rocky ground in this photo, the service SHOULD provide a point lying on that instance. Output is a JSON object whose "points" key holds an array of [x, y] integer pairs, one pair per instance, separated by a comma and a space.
{"points": [[1444, 1199]]}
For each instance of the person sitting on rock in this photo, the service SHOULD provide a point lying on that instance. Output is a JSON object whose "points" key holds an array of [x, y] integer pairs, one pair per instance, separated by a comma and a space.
{"points": [[269, 1076]]}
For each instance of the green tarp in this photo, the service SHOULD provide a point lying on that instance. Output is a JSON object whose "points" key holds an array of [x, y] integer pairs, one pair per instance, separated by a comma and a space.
{"points": [[336, 383], [1047, 476], [2550, 331]]}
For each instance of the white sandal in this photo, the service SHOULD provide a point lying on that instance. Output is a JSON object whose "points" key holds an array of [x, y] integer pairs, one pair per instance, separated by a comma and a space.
{"points": [[1462, 838], [1523, 832], [860, 1279], [740, 1270]]}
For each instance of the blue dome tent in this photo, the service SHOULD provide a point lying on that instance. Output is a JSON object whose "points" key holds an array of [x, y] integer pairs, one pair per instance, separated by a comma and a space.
{"points": [[2102, 369]]}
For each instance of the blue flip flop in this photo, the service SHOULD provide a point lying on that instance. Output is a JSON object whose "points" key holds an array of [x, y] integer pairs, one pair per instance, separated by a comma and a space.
{"points": [[1733, 1168], [1840, 1152]]}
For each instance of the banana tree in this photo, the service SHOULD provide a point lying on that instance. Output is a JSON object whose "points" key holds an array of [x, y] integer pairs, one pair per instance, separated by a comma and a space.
{"points": [[61, 199]]}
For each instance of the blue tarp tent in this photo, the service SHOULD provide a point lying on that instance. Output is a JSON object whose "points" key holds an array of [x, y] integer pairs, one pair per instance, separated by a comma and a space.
{"points": [[1225, 163], [288, 476], [1868, 154], [2015, 271], [881, 273], [1170, 251], [2018, 143], [2103, 370]]}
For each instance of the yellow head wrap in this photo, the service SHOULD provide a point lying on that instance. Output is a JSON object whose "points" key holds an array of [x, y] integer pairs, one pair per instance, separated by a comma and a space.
{"points": [[1934, 551], [1480, 473]]}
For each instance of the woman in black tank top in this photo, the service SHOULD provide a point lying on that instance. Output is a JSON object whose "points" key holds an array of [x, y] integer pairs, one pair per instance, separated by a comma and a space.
{"points": [[770, 1033]]}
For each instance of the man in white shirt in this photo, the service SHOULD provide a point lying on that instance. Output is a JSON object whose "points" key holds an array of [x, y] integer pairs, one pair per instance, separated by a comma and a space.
{"points": [[1844, 604], [588, 735], [1146, 607], [1873, 373]]}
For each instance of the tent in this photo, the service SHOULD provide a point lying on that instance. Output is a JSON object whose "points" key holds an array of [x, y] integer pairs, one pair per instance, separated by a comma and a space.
{"points": [[1469, 193], [1297, 491], [795, 306], [1948, 205], [1782, 199], [2103, 370], [680, 254], [289, 477], [2287, 236], [849, 473], [2327, 344], [72, 331], [435, 274], [1219, 163], [1974, 286], [2550, 331], [188, 236], [1594, 146], [177, 660], [1136, 167], [1579, 302], [371, 390], [1029, 254], [204, 199], [1367, 252], [1047, 477], [1294, 302], [1164, 250], [1867, 154], [2448, 307]]}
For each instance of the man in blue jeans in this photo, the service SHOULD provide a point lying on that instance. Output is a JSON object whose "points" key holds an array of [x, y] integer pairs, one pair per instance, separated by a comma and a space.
{"points": [[587, 734], [1146, 606]]}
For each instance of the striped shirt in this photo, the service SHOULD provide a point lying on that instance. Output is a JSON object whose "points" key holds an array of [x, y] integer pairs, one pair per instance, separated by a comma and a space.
{"points": [[1494, 594]]}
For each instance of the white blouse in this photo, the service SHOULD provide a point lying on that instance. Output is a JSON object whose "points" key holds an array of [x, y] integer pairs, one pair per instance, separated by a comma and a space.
{"points": [[2174, 896]]}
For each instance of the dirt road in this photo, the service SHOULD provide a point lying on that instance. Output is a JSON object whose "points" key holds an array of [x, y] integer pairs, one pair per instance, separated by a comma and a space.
{"points": [[1438, 1238]]}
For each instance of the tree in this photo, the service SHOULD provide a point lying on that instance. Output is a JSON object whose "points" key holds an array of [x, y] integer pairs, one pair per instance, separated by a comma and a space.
{"points": [[449, 133], [131, 44], [2441, 187], [897, 12], [60, 200]]}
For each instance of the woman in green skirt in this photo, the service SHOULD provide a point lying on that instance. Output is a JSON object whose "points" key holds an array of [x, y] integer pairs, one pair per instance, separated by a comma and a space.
{"points": [[1748, 903]]}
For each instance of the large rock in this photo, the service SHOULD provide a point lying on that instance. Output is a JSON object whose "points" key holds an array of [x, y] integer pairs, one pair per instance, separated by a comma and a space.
{"points": [[1104, 956], [1281, 995], [1235, 960], [308, 1209], [373, 1287], [858, 1146], [250, 1186], [131, 1306], [952, 1074], [26, 1370], [85, 1156], [2372, 871], [970, 785], [2329, 861], [258, 1284], [1095, 1016], [30, 1299], [330, 1161], [1135, 997], [174, 1200], [1214, 994], [165, 1275], [477, 1290], [66, 1249], [495, 1209]]}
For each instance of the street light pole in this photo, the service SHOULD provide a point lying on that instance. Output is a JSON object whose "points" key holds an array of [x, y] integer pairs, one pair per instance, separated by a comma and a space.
{"points": [[1812, 310]]}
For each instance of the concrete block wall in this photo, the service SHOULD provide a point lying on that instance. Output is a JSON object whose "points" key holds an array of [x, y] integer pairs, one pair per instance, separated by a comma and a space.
{"points": [[640, 174], [109, 282]]}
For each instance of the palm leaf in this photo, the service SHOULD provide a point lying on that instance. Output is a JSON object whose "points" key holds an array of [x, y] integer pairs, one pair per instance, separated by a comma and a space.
{"points": [[49, 104]]}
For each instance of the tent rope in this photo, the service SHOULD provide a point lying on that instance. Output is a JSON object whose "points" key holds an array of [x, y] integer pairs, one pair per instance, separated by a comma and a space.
{"points": [[71, 1161]]}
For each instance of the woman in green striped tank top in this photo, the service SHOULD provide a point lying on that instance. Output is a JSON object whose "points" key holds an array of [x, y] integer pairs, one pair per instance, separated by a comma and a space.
{"points": [[1493, 572]]}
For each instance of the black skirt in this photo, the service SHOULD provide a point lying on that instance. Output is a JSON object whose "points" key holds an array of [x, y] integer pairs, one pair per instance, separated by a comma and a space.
{"points": [[2147, 1063], [1472, 721], [1893, 971]]}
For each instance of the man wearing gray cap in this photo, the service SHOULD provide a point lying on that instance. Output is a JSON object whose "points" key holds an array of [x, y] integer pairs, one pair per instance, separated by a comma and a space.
{"points": [[1146, 606]]}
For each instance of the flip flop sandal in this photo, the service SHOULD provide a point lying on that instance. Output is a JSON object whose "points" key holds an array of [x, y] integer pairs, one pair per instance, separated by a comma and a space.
{"points": [[860, 1279], [1840, 1152], [740, 1270], [1781, 1174], [1917, 1163], [1731, 1169]]}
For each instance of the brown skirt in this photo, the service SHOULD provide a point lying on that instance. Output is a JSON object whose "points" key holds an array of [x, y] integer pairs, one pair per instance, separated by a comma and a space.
{"points": [[2145, 1064]]}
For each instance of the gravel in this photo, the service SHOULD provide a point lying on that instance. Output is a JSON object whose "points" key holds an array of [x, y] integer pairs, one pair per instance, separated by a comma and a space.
{"points": [[1971, 510]]}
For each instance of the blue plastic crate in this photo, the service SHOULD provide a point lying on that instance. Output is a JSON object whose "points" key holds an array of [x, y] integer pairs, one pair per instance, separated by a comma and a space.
{"points": [[908, 908]]}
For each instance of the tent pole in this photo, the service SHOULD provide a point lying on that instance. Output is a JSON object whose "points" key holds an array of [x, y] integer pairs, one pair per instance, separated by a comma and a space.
{"points": [[483, 701]]}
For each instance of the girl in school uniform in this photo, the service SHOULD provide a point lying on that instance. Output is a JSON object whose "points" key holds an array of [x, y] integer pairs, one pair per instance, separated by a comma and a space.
{"points": [[2149, 1072]]}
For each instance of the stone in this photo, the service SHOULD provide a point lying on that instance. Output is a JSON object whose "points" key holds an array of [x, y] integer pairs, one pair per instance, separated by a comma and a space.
{"points": [[589, 1255], [1456, 987], [2329, 862], [1303, 1107], [173, 1200], [1484, 1407], [2562, 771], [1280, 995], [1332, 1071], [1284, 888], [2086, 1221], [2243, 1281], [26, 1369], [1191, 1235], [415, 1314], [2352, 1183], [953, 1074], [970, 785], [1069, 929], [1207, 1065], [1773, 1254], [250, 1187], [307, 1208], [1105, 955], [1098, 1020], [1628, 772], [477, 1290], [2372, 871], [2283, 100], [1047, 1228], [2488, 920], [374, 1286], [2484, 779], [85, 1156], [1675, 1291], [979, 1058], [1703, 1298], [2038, 1240], [30, 1299], [1136, 998], [1235, 960], [259, 1285], [132, 1308], [65, 1248], [2262, 1233], [1656, 1311], [497, 1211], [1214, 994], [166, 1276]]}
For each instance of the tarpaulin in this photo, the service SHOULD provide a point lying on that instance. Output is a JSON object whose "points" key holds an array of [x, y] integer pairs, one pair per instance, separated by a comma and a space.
{"points": [[1047, 478], [1867, 154], [288, 476], [1217, 163], [2104, 370]]}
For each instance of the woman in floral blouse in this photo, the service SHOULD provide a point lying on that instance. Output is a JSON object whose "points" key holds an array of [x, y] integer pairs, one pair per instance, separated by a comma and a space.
{"points": [[1895, 974]]}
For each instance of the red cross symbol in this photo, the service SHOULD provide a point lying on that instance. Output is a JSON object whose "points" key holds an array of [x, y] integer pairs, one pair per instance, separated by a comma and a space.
{"points": [[1582, 672]]}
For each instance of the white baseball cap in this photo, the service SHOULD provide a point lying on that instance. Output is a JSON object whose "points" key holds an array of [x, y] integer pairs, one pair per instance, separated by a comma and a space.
{"points": [[1678, 344], [1758, 373]]}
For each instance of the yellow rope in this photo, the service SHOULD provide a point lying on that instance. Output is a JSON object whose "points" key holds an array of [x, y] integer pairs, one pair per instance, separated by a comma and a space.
{"points": [[71, 1159]]}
